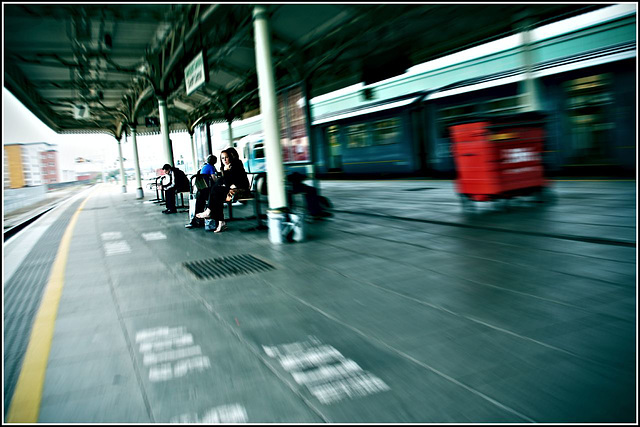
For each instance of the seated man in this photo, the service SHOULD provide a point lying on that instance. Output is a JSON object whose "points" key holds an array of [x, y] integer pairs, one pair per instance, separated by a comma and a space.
{"points": [[178, 183], [208, 172]]}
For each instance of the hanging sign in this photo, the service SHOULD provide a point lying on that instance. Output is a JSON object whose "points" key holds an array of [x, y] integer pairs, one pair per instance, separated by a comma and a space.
{"points": [[196, 73]]}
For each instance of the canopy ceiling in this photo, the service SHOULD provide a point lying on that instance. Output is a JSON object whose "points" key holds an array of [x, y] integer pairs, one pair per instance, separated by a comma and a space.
{"points": [[117, 59]]}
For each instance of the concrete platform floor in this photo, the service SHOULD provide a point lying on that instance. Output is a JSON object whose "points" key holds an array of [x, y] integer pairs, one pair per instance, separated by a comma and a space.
{"points": [[401, 308]]}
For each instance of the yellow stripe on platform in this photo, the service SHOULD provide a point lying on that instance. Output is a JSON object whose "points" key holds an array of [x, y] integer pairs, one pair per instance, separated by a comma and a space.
{"points": [[25, 404]]}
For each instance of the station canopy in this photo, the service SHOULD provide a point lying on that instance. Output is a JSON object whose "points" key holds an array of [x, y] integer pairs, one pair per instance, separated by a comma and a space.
{"points": [[102, 67]]}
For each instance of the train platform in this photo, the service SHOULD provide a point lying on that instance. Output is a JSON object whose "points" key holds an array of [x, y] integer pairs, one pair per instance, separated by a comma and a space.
{"points": [[400, 308]]}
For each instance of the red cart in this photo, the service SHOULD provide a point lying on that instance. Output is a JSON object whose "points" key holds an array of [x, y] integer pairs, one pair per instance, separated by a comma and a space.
{"points": [[500, 158]]}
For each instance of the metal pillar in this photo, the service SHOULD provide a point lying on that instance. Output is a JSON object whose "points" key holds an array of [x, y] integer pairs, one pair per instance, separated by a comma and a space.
{"points": [[193, 152], [136, 161], [530, 90], [269, 110], [208, 132], [311, 168], [231, 144], [123, 178], [164, 129]]}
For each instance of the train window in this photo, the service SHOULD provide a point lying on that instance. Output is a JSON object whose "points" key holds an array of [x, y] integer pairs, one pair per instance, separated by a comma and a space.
{"points": [[357, 136], [332, 136], [386, 131], [258, 151], [449, 116], [510, 103]]}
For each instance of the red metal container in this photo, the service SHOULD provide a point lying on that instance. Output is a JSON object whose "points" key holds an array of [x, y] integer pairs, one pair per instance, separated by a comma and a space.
{"points": [[499, 157]]}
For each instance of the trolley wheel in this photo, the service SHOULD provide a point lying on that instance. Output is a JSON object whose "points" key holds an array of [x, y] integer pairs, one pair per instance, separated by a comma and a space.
{"points": [[502, 204], [544, 195], [467, 204]]}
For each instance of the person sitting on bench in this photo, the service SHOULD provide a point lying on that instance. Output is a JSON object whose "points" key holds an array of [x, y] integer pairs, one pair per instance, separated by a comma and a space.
{"points": [[178, 183], [233, 180], [208, 173]]}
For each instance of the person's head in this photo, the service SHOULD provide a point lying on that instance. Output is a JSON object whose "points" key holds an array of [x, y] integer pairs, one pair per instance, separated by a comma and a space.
{"points": [[166, 168], [211, 159], [233, 152], [225, 157]]}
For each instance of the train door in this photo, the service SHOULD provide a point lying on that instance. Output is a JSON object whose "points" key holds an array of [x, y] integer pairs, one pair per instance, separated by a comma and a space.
{"points": [[335, 149], [590, 125]]}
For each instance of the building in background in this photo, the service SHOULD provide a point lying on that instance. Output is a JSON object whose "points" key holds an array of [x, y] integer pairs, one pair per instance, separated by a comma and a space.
{"points": [[49, 166], [30, 164]]}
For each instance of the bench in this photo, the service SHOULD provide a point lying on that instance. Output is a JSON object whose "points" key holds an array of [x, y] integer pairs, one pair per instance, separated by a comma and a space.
{"points": [[255, 182]]}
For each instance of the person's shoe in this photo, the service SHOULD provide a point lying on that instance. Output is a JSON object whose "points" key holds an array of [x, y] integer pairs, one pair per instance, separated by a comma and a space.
{"points": [[204, 215], [222, 226], [169, 212], [165, 211], [193, 226]]}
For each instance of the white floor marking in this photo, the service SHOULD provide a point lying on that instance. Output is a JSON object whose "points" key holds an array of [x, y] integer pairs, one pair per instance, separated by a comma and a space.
{"points": [[180, 341], [116, 248], [169, 353], [326, 373], [111, 235], [162, 332], [153, 358], [156, 235], [219, 415]]}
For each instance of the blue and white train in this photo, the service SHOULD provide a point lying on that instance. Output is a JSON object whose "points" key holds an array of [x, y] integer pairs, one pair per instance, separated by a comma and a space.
{"points": [[581, 72]]}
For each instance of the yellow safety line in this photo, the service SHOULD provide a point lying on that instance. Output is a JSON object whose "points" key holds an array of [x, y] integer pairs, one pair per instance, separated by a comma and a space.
{"points": [[25, 405]]}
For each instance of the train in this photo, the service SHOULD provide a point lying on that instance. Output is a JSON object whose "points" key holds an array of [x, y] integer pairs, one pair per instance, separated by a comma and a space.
{"points": [[581, 75]]}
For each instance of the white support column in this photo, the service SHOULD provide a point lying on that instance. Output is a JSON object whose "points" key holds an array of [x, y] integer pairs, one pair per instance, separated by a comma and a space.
{"points": [[164, 129], [269, 112], [230, 133], [530, 88], [193, 153], [311, 167], [136, 160], [123, 178]]}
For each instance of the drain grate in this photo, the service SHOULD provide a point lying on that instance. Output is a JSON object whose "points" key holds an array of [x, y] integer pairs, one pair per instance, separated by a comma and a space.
{"points": [[419, 189], [235, 265]]}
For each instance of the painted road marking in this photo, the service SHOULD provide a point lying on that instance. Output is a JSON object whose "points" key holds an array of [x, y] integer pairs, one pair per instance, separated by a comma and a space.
{"points": [[170, 353], [116, 248], [156, 235], [111, 235], [221, 414], [324, 371], [25, 404], [152, 358], [183, 340]]}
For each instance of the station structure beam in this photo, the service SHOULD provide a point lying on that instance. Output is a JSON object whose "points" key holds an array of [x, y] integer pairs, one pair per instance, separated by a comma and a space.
{"points": [[269, 108], [123, 177], [164, 130], [136, 162]]}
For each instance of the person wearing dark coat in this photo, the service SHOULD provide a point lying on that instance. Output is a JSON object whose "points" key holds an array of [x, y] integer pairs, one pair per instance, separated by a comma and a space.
{"points": [[234, 179], [175, 185]]}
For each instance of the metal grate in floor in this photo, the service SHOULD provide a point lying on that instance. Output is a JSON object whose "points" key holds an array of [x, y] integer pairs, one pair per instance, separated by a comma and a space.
{"points": [[234, 265], [419, 189]]}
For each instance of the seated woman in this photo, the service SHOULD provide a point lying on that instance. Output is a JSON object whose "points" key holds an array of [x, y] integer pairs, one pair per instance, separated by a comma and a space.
{"points": [[233, 179]]}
